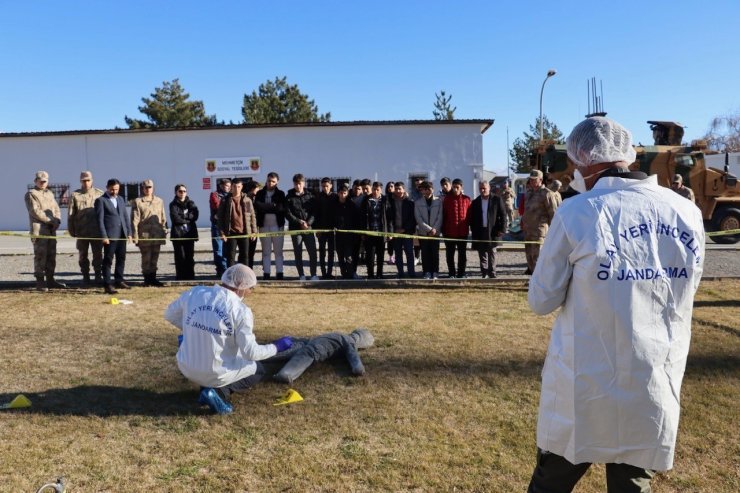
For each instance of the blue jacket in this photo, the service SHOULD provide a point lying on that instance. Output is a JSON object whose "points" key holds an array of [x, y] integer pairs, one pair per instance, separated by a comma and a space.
{"points": [[112, 221]]}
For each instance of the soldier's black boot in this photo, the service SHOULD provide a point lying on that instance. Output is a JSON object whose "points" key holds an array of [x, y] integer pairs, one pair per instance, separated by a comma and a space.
{"points": [[51, 283], [153, 281], [40, 284]]}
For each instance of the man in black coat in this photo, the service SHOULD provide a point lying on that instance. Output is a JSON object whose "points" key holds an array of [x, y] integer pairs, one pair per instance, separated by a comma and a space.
{"points": [[401, 219], [325, 220], [269, 203], [346, 216], [299, 210], [113, 222], [487, 222]]}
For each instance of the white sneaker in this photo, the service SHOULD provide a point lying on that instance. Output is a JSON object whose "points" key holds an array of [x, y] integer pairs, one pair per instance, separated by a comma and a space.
{"points": [[417, 260], [302, 278], [435, 275], [314, 278]]}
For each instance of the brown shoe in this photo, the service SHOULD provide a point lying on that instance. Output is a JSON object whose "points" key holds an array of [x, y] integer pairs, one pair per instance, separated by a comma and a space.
{"points": [[122, 285], [109, 289]]}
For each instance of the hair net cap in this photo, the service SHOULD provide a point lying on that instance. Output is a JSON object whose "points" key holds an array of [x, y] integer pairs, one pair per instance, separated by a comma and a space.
{"points": [[600, 140], [239, 276]]}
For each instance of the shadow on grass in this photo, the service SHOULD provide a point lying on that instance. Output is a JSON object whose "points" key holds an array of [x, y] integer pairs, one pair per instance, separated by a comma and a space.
{"points": [[708, 365], [508, 285], [717, 303], [101, 400], [715, 325]]}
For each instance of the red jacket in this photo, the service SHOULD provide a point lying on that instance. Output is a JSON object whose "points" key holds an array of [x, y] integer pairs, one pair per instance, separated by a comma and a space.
{"points": [[455, 211]]}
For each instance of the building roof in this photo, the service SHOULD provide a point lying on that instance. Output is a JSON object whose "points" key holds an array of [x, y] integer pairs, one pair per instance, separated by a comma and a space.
{"points": [[485, 124]]}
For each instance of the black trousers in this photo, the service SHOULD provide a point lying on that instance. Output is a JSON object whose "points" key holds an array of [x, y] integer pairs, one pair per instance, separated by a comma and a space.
{"points": [[252, 250], [554, 474], [374, 249], [344, 246], [231, 245], [462, 258], [245, 383], [326, 252], [430, 256], [184, 261], [117, 249]]}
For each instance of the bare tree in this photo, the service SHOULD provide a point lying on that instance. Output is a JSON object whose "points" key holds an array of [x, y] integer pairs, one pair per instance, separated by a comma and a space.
{"points": [[724, 133]]}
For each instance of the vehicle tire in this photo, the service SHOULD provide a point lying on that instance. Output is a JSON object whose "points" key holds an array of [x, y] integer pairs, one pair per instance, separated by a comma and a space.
{"points": [[726, 219]]}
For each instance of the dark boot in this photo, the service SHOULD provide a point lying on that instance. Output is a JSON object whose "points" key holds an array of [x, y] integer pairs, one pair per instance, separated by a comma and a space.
{"points": [[86, 278], [51, 283], [151, 280], [40, 284], [109, 289]]}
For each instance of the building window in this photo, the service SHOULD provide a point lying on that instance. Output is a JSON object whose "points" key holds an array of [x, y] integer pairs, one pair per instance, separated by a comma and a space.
{"points": [[413, 177], [61, 192], [314, 184], [129, 191]]}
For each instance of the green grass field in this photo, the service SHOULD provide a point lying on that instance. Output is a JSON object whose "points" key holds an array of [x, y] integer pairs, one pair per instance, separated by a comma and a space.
{"points": [[449, 402]]}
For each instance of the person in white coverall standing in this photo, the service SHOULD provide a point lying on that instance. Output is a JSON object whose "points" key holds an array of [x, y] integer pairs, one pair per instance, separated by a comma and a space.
{"points": [[218, 349], [622, 260]]}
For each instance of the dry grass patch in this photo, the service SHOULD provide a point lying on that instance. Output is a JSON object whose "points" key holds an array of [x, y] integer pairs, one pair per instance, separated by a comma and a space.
{"points": [[449, 401]]}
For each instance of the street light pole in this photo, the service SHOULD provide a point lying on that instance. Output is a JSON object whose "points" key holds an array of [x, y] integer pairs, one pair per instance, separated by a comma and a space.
{"points": [[550, 73]]}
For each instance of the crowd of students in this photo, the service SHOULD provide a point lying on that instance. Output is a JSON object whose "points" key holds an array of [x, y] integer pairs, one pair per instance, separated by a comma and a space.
{"points": [[365, 220]]}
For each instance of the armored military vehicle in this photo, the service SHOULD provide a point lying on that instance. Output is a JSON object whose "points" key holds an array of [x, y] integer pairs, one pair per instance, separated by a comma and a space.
{"points": [[717, 191]]}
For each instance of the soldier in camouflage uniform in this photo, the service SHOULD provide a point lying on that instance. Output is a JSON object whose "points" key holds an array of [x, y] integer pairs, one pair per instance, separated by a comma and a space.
{"points": [[148, 224], [45, 217], [555, 187], [681, 189], [82, 223], [507, 195], [539, 208]]}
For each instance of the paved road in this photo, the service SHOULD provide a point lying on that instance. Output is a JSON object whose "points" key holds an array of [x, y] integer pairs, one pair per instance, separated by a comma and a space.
{"points": [[16, 262]]}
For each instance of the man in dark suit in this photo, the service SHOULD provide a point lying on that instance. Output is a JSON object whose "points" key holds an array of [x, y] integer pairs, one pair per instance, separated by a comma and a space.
{"points": [[114, 229], [487, 222]]}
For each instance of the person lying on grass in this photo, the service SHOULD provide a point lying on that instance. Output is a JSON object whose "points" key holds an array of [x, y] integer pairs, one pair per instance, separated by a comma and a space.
{"points": [[218, 350], [306, 351]]}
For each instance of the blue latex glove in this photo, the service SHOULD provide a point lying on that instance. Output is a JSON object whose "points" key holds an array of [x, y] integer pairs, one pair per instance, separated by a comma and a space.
{"points": [[283, 343]]}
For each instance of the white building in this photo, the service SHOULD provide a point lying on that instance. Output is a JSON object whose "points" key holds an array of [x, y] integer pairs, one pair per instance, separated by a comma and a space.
{"points": [[381, 150]]}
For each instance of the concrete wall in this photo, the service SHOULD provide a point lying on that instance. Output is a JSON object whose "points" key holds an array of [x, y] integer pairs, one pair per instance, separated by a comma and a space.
{"points": [[381, 151]]}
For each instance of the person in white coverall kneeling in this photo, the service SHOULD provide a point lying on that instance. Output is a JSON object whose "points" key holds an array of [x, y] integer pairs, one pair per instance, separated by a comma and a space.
{"points": [[622, 260], [218, 349]]}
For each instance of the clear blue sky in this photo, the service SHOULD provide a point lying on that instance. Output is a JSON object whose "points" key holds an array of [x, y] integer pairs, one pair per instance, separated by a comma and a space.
{"points": [[77, 65]]}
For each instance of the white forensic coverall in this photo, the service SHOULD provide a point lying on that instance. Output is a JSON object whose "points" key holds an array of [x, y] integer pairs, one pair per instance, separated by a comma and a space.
{"points": [[218, 346], [624, 260]]}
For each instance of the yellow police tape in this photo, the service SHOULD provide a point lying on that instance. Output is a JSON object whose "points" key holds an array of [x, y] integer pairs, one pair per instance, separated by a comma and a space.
{"points": [[290, 232], [293, 232]]}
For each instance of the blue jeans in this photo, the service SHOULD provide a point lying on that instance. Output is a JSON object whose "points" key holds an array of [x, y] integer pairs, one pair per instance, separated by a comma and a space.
{"points": [[309, 240], [219, 259], [401, 245]]}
